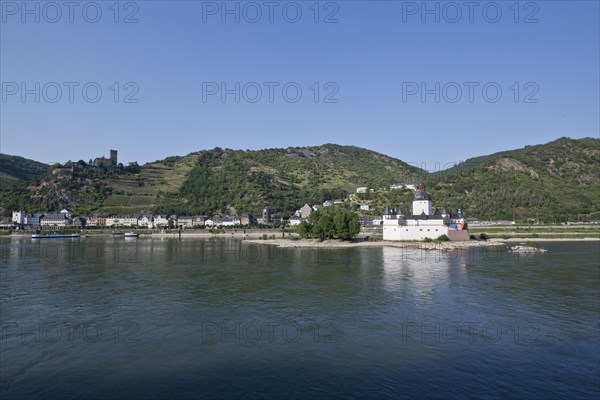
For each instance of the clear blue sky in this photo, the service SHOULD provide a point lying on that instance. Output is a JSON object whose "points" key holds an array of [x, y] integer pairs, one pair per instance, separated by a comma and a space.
{"points": [[376, 56]]}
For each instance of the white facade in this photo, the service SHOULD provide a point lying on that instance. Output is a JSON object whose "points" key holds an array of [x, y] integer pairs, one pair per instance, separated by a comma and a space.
{"points": [[295, 221], [146, 220], [362, 189], [365, 207], [55, 220], [422, 206], [18, 217], [122, 220], [186, 222], [419, 229], [160, 220], [423, 224], [406, 185]]}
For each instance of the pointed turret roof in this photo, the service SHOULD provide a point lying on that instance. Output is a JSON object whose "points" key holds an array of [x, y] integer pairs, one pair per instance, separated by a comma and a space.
{"points": [[422, 194]]}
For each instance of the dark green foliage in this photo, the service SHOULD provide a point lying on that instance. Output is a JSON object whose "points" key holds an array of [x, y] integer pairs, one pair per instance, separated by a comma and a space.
{"points": [[14, 169], [330, 223], [442, 238]]}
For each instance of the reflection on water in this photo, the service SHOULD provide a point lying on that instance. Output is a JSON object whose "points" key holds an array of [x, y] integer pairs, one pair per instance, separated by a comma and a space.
{"points": [[156, 318]]}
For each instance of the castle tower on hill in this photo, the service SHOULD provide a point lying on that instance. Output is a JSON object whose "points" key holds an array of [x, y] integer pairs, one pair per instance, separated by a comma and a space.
{"points": [[113, 158], [110, 162]]}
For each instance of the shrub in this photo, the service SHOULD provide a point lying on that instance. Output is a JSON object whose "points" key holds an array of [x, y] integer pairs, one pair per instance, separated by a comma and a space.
{"points": [[483, 236], [264, 236], [443, 238], [428, 240]]}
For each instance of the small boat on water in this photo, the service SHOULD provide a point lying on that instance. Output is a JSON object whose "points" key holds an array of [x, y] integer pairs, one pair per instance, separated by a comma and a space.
{"points": [[131, 234], [56, 235]]}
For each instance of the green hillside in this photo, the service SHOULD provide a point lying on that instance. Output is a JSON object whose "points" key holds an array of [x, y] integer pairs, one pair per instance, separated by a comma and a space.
{"points": [[213, 181], [246, 181], [554, 182], [14, 169]]}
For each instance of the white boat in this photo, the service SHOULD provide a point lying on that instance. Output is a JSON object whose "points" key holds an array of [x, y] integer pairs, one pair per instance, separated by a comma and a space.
{"points": [[56, 235], [131, 234]]}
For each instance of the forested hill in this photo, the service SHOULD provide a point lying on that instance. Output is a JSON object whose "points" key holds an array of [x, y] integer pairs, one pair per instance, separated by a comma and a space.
{"points": [[284, 179], [556, 181], [217, 181], [15, 169]]}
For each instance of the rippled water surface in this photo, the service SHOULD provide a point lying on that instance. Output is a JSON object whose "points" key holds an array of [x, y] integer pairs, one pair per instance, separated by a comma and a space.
{"points": [[191, 318]]}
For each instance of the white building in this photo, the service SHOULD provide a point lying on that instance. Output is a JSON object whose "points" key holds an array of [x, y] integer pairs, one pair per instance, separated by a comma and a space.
{"points": [[55, 219], [406, 185], [295, 221], [365, 207], [18, 217], [160, 220], [362, 189], [115, 220], [423, 223], [185, 222], [228, 221], [146, 220], [68, 213]]}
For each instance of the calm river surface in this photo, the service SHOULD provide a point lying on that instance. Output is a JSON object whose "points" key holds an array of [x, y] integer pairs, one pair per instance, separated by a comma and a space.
{"points": [[195, 318]]}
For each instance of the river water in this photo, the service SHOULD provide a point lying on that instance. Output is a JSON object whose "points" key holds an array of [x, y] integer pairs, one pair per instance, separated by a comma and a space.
{"points": [[200, 318]]}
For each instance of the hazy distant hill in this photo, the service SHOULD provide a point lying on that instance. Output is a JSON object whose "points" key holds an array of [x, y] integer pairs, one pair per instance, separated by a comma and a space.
{"points": [[14, 169], [556, 181]]}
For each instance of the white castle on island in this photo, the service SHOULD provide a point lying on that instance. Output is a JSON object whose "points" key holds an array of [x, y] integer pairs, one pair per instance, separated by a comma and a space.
{"points": [[423, 223]]}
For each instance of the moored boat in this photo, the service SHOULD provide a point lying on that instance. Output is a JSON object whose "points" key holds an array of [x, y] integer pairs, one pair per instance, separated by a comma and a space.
{"points": [[131, 234], [56, 235]]}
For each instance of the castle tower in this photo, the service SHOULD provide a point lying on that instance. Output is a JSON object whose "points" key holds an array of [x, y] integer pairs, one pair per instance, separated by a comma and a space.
{"points": [[113, 158], [422, 202], [266, 215]]}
